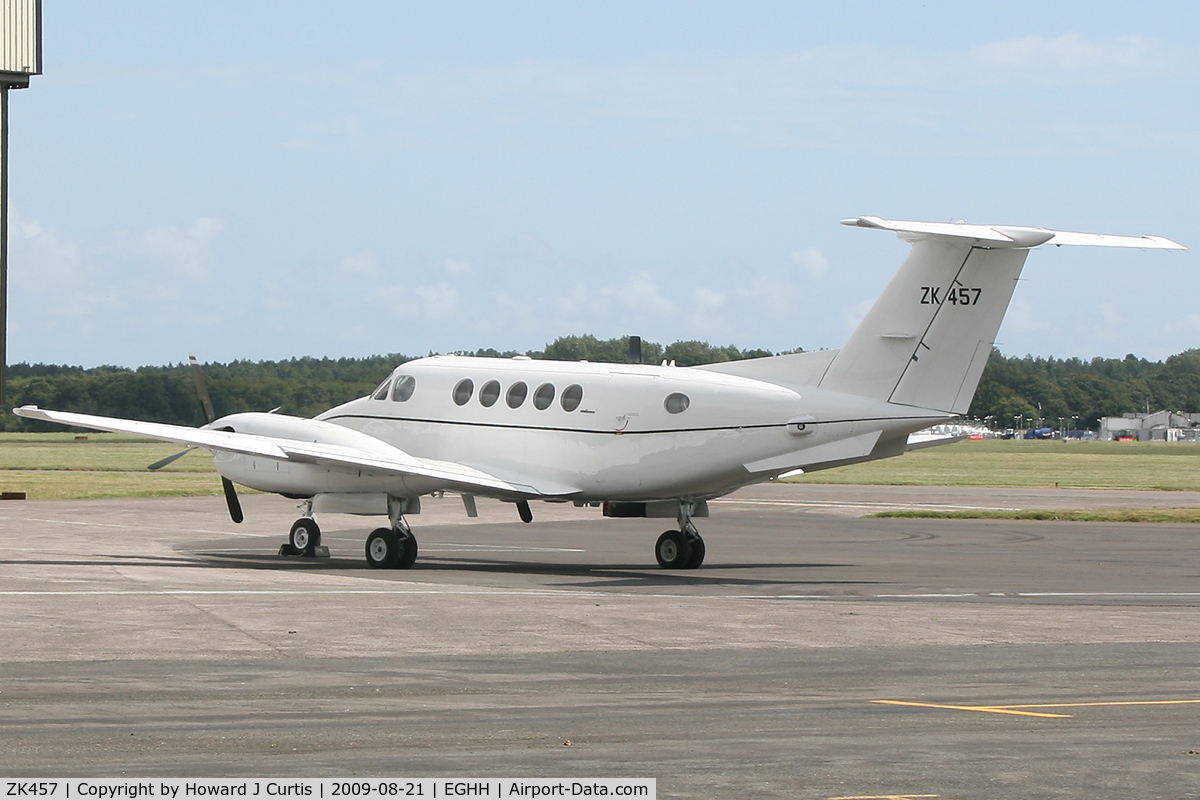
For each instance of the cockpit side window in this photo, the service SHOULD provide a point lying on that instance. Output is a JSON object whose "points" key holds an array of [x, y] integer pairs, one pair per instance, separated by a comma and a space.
{"points": [[405, 385], [382, 391]]}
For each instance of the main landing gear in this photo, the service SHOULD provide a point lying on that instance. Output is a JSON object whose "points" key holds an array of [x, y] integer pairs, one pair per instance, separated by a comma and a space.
{"points": [[681, 549], [394, 547], [387, 548]]}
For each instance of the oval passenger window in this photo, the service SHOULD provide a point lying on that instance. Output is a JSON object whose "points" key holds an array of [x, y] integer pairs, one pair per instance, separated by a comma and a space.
{"points": [[572, 396], [676, 403], [516, 394], [544, 396], [489, 394], [463, 391]]}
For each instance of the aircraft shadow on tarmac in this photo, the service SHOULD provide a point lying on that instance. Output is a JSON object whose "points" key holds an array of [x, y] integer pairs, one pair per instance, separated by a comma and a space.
{"points": [[632, 575], [589, 575]]}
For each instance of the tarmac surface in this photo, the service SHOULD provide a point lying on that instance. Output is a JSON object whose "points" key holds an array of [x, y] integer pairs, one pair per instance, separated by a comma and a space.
{"points": [[816, 654]]}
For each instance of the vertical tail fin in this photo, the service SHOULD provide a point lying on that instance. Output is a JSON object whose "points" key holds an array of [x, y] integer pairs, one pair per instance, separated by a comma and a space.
{"points": [[928, 336], [927, 339]]}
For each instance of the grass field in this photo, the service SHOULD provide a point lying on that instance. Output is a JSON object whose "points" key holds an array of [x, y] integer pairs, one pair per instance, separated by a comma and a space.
{"points": [[1032, 464], [57, 465], [1069, 515]]}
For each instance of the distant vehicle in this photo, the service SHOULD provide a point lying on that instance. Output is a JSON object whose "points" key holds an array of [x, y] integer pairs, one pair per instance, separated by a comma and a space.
{"points": [[638, 440], [1039, 433]]}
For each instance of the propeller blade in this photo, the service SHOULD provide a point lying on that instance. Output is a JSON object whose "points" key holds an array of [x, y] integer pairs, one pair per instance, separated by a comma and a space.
{"points": [[231, 500], [202, 389], [157, 465]]}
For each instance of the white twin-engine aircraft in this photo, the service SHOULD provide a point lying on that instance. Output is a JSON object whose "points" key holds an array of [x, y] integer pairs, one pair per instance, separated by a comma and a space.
{"points": [[640, 440]]}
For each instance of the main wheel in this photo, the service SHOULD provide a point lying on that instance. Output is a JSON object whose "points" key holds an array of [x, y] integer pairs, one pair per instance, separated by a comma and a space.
{"points": [[384, 549], [409, 543], [672, 550], [697, 546], [305, 536]]}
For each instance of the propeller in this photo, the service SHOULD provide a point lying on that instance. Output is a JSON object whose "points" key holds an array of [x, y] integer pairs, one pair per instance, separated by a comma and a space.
{"points": [[231, 497], [157, 465]]}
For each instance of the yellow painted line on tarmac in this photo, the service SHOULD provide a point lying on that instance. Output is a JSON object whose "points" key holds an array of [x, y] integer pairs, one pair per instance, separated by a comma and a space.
{"points": [[984, 709], [1020, 709], [1113, 703]]}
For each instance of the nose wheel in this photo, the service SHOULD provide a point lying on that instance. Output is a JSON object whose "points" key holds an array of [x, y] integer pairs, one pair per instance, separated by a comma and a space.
{"points": [[303, 539]]}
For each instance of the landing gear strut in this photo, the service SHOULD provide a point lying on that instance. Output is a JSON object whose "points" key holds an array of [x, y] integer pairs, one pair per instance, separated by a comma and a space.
{"points": [[394, 547], [681, 549]]}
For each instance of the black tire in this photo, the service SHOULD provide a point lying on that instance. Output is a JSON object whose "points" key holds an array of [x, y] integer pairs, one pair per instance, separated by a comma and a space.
{"points": [[384, 549], [697, 546], [305, 536], [409, 542], [672, 550]]}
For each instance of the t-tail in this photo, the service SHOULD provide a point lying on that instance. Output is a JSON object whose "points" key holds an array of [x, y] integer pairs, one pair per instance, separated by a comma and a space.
{"points": [[926, 340]]}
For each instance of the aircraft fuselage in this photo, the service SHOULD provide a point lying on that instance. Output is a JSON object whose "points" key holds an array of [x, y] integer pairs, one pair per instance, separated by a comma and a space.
{"points": [[582, 431]]}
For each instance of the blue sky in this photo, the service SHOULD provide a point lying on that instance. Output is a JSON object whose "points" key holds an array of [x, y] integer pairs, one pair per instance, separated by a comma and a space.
{"points": [[269, 179]]}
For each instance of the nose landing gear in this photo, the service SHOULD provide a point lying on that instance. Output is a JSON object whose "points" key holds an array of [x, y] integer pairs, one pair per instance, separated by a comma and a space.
{"points": [[304, 539]]}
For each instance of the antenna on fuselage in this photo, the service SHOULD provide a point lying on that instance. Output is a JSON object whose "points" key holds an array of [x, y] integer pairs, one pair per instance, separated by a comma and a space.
{"points": [[635, 349]]}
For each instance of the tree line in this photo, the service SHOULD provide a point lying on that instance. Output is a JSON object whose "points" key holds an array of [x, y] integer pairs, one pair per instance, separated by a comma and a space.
{"points": [[1012, 389]]}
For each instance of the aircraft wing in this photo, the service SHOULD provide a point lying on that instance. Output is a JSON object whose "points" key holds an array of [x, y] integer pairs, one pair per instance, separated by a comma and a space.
{"points": [[382, 459]]}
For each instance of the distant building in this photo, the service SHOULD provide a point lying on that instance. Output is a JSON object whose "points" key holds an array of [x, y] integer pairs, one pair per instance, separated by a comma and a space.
{"points": [[1161, 426]]}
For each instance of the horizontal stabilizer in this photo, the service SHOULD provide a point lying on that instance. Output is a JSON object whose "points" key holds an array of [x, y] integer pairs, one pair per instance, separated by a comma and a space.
{"points": [[920, 441], [1012, 235]]}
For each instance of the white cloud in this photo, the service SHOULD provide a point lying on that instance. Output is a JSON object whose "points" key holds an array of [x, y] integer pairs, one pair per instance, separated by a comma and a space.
{"points": [[643, 295], [41, 255], [1111, 314], [833, 97], [1020, 318], [526, 247], [706, 299], [439, 300], [364, 264], [182, 251], [457, 266], [774, 295], [1076, 60], [812, 260]]}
